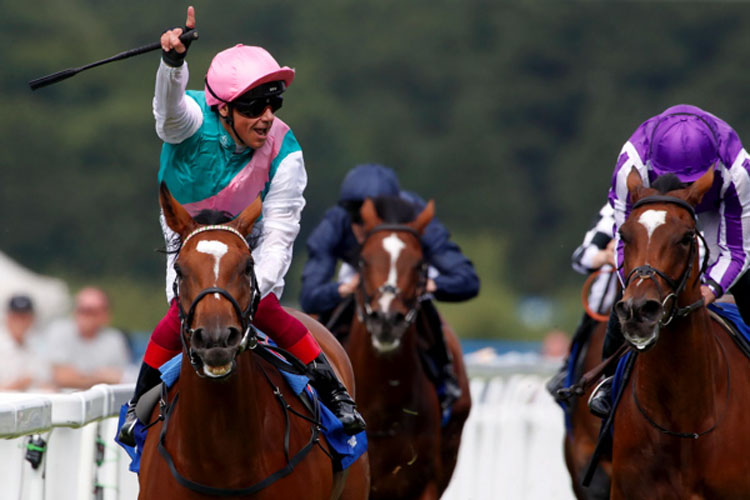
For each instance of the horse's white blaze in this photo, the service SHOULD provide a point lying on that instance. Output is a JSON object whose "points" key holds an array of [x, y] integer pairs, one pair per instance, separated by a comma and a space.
{"points": [[393, 245], [217, 250], [651, 219]]}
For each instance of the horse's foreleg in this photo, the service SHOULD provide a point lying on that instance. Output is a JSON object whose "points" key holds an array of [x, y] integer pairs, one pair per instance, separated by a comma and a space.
{"points": [[339, 481], [357, 484]]}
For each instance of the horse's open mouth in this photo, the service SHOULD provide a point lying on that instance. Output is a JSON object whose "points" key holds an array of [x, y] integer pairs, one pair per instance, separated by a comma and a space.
{"points": [[640, 339], [385, 345], [218, 371]]}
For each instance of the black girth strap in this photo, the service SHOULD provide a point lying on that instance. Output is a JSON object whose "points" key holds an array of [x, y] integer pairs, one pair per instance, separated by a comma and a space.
{"points": [[250, 490]]}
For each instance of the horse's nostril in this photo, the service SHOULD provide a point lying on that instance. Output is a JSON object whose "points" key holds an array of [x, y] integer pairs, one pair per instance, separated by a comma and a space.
{"points": [[199, 338], [650, 310], [623, 310], [234, 337]]}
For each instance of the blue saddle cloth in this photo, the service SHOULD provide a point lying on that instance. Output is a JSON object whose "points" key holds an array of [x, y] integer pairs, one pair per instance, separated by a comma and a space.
{"points": [[347, 448], [730, 312]]}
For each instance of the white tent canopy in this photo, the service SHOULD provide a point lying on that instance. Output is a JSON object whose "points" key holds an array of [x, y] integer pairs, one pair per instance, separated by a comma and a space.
{"points": [[50, 295]]}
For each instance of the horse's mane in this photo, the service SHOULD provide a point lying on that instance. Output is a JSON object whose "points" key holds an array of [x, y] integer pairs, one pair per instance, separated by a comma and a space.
{"points": [[667, 182], [395, 210], [214, 217], [210, 217]]}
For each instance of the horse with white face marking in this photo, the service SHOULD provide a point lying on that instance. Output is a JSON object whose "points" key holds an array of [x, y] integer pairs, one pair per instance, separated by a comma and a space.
{"points": [[680, 429], [411, 455], [231, 424]]}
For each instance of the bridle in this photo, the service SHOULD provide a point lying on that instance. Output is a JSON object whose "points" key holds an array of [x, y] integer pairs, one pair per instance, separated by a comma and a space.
{"points": [[365, 312], [678, 286], [249, 339], [648, 272], [249, 342]]}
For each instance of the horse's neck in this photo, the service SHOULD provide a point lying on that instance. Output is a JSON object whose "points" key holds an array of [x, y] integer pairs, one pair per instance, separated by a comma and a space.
{"points": [[400, 370], [220, 414], [682, 376]]}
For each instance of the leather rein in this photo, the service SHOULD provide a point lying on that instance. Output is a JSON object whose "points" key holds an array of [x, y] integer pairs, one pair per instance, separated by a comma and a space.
{"points": [[249, 342]]}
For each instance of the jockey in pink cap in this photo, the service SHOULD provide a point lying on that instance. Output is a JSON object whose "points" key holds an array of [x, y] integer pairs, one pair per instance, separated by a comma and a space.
{"points": [[686, 141], [224, 147]]}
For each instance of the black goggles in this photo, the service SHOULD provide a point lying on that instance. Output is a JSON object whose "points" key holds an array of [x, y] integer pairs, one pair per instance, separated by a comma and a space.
{"points": [[253, 108]]}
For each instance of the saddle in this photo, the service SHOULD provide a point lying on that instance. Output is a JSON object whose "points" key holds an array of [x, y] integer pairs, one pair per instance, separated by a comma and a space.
{"points": [[728, 316], [346, 449]]}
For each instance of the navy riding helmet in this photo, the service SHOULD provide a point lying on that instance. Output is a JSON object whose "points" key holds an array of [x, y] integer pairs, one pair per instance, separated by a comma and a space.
{"points": [[368, 180]]}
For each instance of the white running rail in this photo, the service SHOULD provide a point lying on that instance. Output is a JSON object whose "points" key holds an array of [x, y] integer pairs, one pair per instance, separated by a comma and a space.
{"points": [[511, 447]]}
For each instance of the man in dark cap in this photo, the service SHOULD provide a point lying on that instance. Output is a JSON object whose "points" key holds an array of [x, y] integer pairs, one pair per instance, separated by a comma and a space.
{"points": [[20, 368], [451, 276]]}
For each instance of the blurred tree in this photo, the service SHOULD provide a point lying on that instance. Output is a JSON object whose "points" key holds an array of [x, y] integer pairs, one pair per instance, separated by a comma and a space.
{"points": [[509, 114]]}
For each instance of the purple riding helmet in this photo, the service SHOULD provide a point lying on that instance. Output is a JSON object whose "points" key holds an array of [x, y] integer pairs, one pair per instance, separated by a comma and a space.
{"points": [[683, 144]]}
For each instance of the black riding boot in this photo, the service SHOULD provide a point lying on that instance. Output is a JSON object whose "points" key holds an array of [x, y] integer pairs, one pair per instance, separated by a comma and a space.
{"points": [[439, 354], [334, 395], [148, 377], [600, 402]]}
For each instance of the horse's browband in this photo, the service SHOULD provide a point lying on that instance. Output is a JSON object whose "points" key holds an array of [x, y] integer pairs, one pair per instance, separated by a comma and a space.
{"points": [[216, 227], [660, 198], [393, 227]]}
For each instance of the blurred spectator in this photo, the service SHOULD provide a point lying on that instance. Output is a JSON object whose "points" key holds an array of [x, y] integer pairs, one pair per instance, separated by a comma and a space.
{"points": [[84, 350], [555, 345], [20, 367]]}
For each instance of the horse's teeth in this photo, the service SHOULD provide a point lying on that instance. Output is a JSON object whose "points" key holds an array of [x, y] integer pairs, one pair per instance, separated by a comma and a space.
{"points": [[217, 371]]}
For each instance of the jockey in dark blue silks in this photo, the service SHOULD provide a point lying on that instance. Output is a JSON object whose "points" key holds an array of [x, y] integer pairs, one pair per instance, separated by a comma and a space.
{"points": [[451, 276]]}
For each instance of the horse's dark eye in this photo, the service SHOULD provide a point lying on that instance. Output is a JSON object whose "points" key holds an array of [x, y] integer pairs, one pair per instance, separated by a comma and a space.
{"points": [[687, 239], [249, 267], [178, 270]]}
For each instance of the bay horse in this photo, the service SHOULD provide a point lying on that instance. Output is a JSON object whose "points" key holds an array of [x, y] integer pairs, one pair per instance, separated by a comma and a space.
{"points": [[681, 427], [411, 456], [582, 431], [234, 426]]}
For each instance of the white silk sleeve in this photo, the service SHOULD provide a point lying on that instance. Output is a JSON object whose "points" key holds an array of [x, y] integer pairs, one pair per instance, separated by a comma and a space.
{"points": [[177, 115], [282, 211]]}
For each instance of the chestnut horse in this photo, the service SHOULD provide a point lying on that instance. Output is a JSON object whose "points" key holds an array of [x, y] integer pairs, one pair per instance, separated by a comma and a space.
{"points": [[681, 428], [234, 427], [411, 456], [582, 431]]}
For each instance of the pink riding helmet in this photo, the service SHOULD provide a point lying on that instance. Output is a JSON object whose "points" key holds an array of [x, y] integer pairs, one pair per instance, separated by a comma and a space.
{"points": [[238, 69]]}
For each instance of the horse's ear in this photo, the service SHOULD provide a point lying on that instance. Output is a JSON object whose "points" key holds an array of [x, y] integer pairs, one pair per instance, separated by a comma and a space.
{"points": [[178, 219], [369, 214], [698, 188], [424, 218], [635, 185], [244, 222]]}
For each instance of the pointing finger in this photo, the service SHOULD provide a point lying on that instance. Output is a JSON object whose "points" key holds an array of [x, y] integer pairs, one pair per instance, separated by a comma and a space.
{"points": [[190, 22]]}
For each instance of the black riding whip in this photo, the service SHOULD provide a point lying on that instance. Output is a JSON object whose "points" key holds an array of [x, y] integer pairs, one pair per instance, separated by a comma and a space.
{"points": [[188, 36]]}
